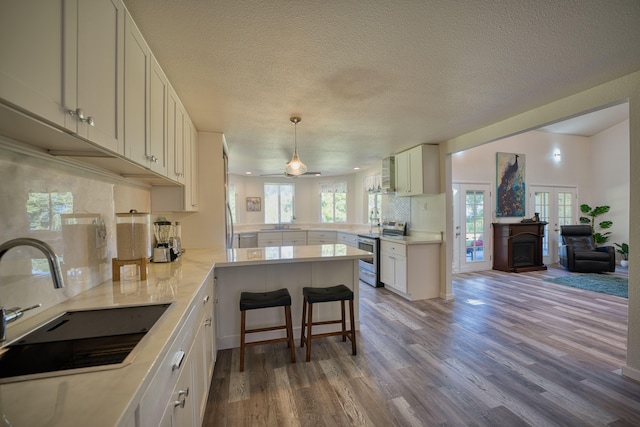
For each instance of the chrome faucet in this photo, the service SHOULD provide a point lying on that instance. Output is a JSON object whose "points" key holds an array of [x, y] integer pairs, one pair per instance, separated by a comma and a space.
{"points": [[56, 276]]}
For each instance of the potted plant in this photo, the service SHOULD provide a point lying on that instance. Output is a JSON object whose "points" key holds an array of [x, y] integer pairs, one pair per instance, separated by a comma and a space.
{"points": [[598, 237], [623, 249]]}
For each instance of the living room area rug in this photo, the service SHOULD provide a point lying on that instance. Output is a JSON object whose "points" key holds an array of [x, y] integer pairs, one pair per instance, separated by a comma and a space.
{"points": [[603, 283]]}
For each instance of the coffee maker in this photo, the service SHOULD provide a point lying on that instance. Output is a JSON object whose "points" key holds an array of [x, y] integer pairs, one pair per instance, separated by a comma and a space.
{"points": [[164, 231]]}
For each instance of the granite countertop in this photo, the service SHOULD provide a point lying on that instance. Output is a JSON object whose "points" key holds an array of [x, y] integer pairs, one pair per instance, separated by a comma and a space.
{"points": [[106, 397]]}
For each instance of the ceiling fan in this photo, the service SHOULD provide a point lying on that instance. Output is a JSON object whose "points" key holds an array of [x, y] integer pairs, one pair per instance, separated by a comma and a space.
{"points": [[295, 167], [288, 175]]}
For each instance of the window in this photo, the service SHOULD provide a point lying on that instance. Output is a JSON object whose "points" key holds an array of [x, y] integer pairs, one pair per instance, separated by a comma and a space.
{"points": [[475, 223], [278, 203], [333, 202], [374, 205], [231, 200]]}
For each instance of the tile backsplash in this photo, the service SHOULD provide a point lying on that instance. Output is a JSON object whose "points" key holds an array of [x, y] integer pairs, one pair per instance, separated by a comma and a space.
{"points": [[71, 209]]}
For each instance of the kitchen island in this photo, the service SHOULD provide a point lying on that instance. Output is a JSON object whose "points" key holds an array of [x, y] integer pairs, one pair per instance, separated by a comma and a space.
{"points": [[291, 267], [142, 392]]}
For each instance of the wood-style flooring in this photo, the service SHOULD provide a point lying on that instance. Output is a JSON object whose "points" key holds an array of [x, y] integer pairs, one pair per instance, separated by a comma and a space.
{"points": [[510, 350]]}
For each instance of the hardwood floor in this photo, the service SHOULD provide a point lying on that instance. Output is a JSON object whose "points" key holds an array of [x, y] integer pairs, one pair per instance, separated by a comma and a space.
{"points": [[510, 350]]}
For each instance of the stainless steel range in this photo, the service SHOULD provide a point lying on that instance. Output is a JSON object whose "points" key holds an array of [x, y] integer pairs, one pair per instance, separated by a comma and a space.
{"points": [[370, 268]]}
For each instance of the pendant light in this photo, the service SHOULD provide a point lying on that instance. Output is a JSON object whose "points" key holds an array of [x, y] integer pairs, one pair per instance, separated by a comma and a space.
{"points": [[295, 167]]}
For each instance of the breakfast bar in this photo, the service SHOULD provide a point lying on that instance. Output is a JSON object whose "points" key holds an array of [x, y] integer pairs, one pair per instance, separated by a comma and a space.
{"points": [[291, 267]]}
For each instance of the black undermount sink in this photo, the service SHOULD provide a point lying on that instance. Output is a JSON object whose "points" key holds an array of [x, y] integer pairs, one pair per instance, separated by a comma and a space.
{"points": [[79, 341]]}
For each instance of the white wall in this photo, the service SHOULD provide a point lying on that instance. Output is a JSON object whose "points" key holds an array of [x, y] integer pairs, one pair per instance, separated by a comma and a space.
{"points": [[609, 184], [598, 166], [479, 164]]}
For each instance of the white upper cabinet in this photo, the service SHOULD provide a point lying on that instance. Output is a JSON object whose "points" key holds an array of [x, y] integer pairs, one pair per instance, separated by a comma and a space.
{"points": [[83, 67], [137, 62], [191, 165], [403, 174], [145, 103], [418, 171], [158, 119], [62, 62], [93, 96], [175, 134], [31, 42]]}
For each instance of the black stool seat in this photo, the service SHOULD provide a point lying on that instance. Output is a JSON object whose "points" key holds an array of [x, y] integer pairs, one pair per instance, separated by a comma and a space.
{"points": [[332, 293], [313, 296], [254, 300]]}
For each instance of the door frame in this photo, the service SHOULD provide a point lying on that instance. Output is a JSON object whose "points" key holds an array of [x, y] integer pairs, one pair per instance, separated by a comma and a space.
{"points": [[552, 229], [459, 261]]}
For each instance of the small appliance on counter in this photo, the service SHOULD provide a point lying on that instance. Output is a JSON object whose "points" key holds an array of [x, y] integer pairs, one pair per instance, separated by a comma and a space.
{"points": [[167, 248]]}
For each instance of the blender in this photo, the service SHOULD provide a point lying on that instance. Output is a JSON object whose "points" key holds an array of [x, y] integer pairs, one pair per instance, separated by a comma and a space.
{"points": [[163, 231]]}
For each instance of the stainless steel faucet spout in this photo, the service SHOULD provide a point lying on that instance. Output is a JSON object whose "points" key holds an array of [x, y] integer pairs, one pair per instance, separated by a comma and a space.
{"points": [[54, 265]]}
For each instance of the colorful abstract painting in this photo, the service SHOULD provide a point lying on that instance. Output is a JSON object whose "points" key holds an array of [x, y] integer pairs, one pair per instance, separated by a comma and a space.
{"points": [[510, 191]]}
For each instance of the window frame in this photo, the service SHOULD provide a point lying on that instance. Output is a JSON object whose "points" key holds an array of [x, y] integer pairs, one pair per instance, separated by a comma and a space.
{"points": [[280, 185], [333, 188]]}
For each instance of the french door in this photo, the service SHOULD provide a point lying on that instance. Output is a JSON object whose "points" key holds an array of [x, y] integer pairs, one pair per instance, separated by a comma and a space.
{"points": [[471, 223], [557, 206]]}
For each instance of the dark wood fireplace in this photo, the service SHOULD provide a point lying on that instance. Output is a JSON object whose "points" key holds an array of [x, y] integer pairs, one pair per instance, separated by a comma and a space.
{"points": [[517, 247]]}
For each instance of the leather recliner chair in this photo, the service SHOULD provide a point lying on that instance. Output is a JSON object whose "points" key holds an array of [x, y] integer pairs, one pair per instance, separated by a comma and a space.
{"points": [[579, 253]]}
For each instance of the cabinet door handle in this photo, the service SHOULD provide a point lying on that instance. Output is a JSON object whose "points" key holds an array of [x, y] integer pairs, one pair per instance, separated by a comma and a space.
{"points": [[207, 321], [205, 300], [177, 361]]}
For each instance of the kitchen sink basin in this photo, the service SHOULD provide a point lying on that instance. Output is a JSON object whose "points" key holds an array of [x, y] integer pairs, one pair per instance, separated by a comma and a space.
{"points": [[79, 341]]}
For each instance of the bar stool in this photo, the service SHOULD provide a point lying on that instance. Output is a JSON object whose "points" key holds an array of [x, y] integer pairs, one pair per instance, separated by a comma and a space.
{"points": [[317, 295], [256, 300]]}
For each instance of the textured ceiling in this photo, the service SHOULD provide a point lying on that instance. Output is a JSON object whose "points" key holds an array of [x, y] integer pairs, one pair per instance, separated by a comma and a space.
{"points": [[371, 78]]}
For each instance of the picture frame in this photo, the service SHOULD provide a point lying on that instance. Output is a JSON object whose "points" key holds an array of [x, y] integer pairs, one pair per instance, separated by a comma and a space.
{"points": [[254, 204], [510, 185]]}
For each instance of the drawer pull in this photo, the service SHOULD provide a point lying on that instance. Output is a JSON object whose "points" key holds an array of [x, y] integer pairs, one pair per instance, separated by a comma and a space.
{"points": [[177, 361]]}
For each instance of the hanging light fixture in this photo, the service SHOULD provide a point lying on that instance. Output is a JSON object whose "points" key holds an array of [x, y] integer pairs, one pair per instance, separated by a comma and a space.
{"points": [[295, 167]]}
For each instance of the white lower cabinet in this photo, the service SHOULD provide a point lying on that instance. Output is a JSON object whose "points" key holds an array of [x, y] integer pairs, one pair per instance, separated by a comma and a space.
{"points": [[348, 239], [321, 237], [269, 238], [177, 394], [393, 266], [294, 238], [411, 270]]}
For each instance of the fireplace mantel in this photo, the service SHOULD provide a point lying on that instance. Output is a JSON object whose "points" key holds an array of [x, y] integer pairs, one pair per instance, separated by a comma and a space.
{"points": [[517, 247]]}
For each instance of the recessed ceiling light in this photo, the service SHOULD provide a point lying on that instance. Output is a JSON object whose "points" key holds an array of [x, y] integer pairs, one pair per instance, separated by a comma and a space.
{"points": [[356, 168], [248, 173]]}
